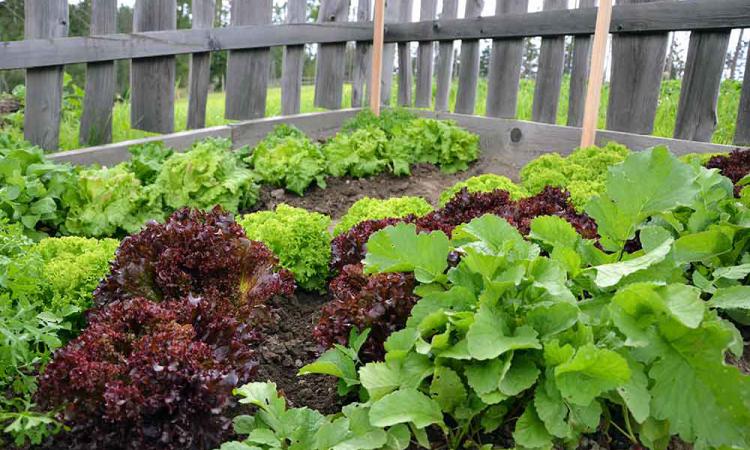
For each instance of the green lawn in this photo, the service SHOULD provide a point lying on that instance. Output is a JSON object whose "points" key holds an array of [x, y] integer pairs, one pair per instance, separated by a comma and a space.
{"points": [[665, 117]]}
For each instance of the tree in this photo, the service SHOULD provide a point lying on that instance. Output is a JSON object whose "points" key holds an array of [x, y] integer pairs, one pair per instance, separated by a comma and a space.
{"points": [[675, 64], [484, 61], [734, 58], [530, 57]]}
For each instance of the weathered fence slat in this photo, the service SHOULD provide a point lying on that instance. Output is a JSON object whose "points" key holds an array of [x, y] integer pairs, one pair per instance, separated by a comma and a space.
{"points": [[152, 79], [468, 72], [44, 19], [96, 119], [425, 50], [579, 73], [505, 66], [550, 72], [200, 66], [404, 58], [294, 61], [361, 69], [699, 96], [330, 72], [742, 130], [389, 52], [247, 70], [637, 68], [444, 67]]}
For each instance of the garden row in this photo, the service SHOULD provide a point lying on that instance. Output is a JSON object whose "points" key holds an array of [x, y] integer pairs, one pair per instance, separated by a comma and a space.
{"points": [[447, 324]]}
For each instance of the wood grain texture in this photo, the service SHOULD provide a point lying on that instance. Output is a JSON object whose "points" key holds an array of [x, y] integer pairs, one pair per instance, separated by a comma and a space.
{"points": [[331, 65], [641, 18], [699, 96], [361, 68], [468, 73], [637, 67], [444, 66], [152, 80], [550, 72], [404, 58], [293, 63], [425, 54], [99, 99], [248, 70], [505, 66], [742, 129], [389, 53], [200, 67], [44, 19], [579, 73]]}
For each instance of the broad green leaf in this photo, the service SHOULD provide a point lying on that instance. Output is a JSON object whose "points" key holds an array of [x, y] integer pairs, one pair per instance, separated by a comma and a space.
{"points": [[549, 320], [484, 376], [635, 392], [590, 373], [731, 298], [447, 389], [379, 379], [493, 235], [554, 232], [551, 409], [530, 431], [486, 338], [401, 249], [521, 375], [333, 362], [701, 246], [609, 275], [405, 406]]}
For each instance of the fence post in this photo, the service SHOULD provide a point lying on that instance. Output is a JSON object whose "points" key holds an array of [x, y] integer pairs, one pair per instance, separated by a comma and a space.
{"points": [[152, 79], [329, 76], [468, 71], [294, 62], [247, 70], [742, 130], [96, 119], [505, 66], [41, 121], [444, 69], [637, 68], [404, 58], [200, 66], [550, 72], [699, 95], [425, 52], [389, 52], [361, 67], [579, 73]]}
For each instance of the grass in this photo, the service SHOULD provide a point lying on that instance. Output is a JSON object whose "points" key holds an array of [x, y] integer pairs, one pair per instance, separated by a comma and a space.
{"points": [[664, 123]]}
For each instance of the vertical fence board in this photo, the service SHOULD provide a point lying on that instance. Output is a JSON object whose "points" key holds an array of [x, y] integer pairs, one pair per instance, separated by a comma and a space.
{"points": [[152, 79], [247, 70], [505, 66], [96, 119], [444, 68], [44, 19], [637, 68], [579, 73], [200, 67], [330, 73], [404, 58], [294, 61], [699, 95], [423, 97], [742, 130], [389, 52], [468, 71], [361, 69], [550, 72]]}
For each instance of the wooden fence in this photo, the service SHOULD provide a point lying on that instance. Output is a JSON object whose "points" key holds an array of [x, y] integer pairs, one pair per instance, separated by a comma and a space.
{"points": [[639, 45]]}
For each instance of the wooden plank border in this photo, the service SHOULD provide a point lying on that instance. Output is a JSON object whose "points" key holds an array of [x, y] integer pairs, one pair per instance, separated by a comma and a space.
{"points": [[640, 18]]}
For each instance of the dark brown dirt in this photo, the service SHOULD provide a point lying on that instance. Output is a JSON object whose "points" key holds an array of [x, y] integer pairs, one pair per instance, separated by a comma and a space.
{"points": [[288, 345], [426, 181]]}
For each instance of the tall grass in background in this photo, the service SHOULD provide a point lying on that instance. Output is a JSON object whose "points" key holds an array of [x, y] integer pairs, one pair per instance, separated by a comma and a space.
{"points": [[664, 123]]}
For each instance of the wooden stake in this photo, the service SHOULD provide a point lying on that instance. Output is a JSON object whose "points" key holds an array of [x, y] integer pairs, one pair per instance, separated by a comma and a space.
{"points": [[377, 56], [596, 76]]}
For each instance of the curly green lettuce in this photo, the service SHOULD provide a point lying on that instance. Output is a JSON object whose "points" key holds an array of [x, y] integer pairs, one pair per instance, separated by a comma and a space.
{"points": [[374, 208], [289, 159], [485, 183], [360, 154], [299, 238]]}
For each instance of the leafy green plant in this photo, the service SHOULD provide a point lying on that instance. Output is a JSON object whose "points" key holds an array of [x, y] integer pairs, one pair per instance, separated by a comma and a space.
{"points": [[484, 183], [391, 121], [299, 238], [341, 361], [360, 154], [33, 190], [287, 158], [374, 208], [582, 173], [207, 175], [146, 160]]}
